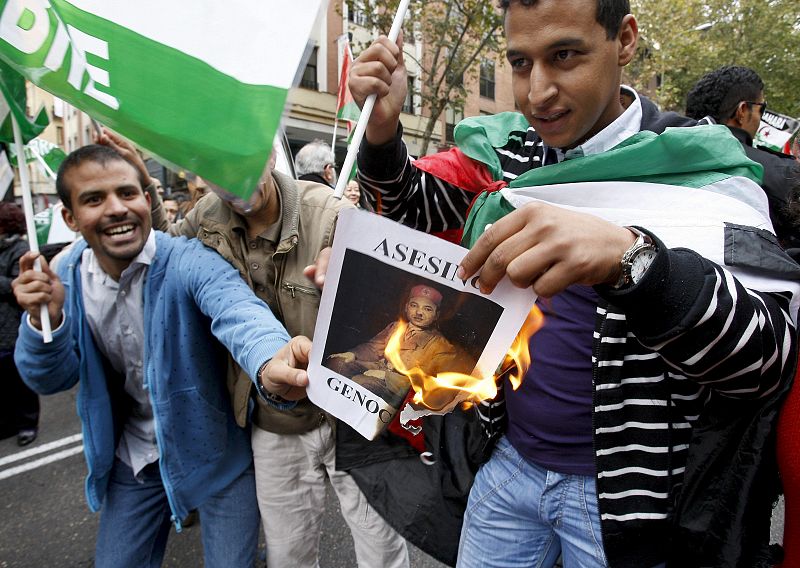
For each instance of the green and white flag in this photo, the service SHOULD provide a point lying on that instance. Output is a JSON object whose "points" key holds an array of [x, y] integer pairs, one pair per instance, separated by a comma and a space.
{"points": [[46, 154], [202, 84], [693, 187], [14, 100]]}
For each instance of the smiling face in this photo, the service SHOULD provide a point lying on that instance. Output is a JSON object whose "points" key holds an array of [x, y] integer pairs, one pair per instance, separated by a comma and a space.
{"points": [[352, 192], [422, 312], [110, 210], [566, 72]]}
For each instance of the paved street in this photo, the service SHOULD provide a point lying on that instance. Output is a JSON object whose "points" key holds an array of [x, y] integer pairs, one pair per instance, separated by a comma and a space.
{"points": [[44, 520]]}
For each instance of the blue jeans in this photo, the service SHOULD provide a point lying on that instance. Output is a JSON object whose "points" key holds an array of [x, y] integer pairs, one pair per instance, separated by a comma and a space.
{"points": [[135, 521], [522, 515]]}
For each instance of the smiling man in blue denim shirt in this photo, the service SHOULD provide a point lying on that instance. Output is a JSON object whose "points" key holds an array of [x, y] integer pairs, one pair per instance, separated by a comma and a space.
{"points": [[143, 322]]}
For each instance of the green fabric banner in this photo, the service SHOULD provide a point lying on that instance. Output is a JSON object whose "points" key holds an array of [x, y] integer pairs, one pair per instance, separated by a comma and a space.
{"points": [[693, 157], [46, 154], [14, 102], [201, 85]]}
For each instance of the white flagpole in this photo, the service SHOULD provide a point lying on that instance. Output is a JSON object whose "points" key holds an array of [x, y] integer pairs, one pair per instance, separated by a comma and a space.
{"points": [[335, 124], [369, 104], [27, 206]]}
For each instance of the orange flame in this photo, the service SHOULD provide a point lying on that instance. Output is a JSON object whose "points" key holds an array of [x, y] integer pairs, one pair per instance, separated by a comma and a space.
{"points": [[437, 392]]}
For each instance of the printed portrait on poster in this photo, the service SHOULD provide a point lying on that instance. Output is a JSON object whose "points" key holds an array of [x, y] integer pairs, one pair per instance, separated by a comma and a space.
{"points": [[443, 330]]}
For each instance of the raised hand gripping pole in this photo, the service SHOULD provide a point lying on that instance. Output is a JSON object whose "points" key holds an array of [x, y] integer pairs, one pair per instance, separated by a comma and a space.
{"points": [[366, 111]]}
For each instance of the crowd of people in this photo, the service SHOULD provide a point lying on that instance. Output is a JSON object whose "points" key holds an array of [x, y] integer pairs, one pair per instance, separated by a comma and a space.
{"points": [[643, 434]]}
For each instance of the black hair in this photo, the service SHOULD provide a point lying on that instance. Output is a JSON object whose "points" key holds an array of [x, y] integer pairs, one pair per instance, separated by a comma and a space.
{"points": [[609, 13], [91, 153], [177, 197], [12, 219], [718, 93]]}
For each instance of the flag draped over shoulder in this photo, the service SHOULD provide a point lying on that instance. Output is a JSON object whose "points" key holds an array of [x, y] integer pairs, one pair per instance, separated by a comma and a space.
{"points": [[693, 187], [14, 102], [201, 85]]}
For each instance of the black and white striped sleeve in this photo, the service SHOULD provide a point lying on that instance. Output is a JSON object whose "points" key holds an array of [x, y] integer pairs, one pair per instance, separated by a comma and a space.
{"points": [[401, 192], [709, 327]]}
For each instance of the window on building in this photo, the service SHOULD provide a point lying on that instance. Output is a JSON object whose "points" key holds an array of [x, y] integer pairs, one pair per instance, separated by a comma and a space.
{"points": [[60, 136], [451, 117], [309, 79], [410, 104], [356, 13], [487, 79]]}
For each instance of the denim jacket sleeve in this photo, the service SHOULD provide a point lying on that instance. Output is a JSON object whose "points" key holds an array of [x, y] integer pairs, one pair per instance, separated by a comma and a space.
{"points": [[239, 320], [47, 368]]}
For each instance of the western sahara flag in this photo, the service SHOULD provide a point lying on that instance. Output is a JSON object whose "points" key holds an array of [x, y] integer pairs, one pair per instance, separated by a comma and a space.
{"points": [[693, 187], [200, 84], [346, 107]]}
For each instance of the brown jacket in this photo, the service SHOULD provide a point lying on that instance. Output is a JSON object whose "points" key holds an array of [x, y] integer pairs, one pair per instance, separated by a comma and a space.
{"points": [[309, 218]]}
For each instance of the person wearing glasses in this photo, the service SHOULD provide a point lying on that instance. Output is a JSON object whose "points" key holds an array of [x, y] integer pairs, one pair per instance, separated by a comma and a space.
{"points": [[734, 96], [315, 162]]}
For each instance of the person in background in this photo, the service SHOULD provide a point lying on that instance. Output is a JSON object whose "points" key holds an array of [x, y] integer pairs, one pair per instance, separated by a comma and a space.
{"points": [[734, 96], [19, 405], [352, 192], [171, 208], [315, 162]]}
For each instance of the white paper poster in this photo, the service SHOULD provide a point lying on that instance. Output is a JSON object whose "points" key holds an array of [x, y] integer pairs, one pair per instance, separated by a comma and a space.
{"points": [[386, 281]]}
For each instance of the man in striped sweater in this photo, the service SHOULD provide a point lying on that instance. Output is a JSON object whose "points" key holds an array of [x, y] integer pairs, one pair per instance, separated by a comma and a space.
{"points": [[666, 349]]}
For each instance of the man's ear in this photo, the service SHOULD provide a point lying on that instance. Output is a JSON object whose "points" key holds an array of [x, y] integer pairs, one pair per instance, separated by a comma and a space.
{"points": [[69, 219], [740, 115], [627, 38]]}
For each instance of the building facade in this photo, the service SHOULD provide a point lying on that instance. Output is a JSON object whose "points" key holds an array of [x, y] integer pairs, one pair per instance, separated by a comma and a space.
{"points": [[311, 110]]}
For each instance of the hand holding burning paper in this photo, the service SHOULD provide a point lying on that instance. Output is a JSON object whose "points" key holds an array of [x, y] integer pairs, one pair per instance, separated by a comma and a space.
{"points": [[441, 393], [394, 316]]}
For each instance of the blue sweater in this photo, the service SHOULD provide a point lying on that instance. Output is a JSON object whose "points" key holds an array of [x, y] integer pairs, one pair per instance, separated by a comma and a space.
{"points": [[194, 304]]}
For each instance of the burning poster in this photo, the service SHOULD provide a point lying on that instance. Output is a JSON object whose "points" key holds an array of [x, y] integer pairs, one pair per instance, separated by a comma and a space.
{"points": [[394, 316]]}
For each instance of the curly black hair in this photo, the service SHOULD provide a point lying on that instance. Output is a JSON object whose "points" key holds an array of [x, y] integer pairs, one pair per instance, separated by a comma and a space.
{"points": [[718, 93], [609, 13], [12, 219]]}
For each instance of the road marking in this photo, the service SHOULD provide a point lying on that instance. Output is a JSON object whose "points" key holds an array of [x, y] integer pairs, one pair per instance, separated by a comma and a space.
{"points": [[25, 454], [40, 462]]}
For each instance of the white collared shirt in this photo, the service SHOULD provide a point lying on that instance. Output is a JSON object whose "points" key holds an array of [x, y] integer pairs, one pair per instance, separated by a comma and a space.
{"points": [[115, 314], [626, 125]]}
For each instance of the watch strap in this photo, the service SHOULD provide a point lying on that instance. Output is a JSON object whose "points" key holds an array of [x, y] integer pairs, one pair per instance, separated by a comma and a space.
{"points": [[642, 243]]}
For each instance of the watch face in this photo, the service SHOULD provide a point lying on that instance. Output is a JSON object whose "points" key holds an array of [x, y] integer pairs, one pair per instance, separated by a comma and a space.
{"points": [[641, 263]]}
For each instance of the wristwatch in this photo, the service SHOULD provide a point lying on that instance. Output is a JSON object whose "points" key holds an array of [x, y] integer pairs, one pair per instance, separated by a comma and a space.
{"points": [[637, 259]]}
